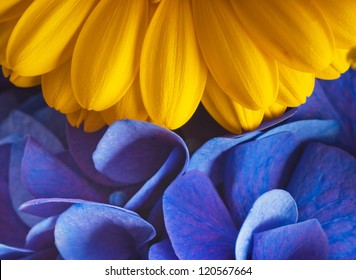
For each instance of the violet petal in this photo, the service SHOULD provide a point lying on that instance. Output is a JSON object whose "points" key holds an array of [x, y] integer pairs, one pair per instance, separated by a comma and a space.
{"points": [[273, 209], [41, 236], [301, 241], [326, 190], [162, 250], [197, 221]]}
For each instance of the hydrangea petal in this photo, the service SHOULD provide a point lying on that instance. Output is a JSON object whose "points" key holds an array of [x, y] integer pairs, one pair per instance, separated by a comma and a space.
{"points": [[12, 229], [162, 250], [10, 253], [197, 221], [326, 191], [256, 167], [210, 157], [173, 167], [134, 161], [178, 83], [41, 236], [105, 63], [272, 209], [301, 241], [98, 231], [45, 35], [46, 176], [234, 60], [47, 207], [82, 145]]}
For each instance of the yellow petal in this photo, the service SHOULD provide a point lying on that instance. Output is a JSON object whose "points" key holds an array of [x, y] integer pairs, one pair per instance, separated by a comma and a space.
{"points": [[106, 56], [93, 121], [5, 32], [21, 81], [339, 66], [294, 86], [274, 111], [227, 113], [45, 35], [172, 72], [57, 89], [293, 31], [351, 57], [244, 73], [340, 15], [130, 106], [11, 9]]}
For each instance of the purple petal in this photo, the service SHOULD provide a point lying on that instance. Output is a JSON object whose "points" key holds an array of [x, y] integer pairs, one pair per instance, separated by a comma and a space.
{"points": [[131, 152], [12, 230], [50, 253], [41, 236], [270, 123], [82, 145], [256, 167], [301, 241], [272, 209], [99, 231], [162, 250], [326, 191], [153, 189], [18, 192], [46, 176], [11, 253], [210, 158], [325, 131], [197, 220], [47, 207], [23, 125]]}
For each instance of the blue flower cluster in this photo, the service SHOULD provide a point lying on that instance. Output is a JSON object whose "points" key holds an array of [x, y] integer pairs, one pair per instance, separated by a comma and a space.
{"points": [[130, 191]]}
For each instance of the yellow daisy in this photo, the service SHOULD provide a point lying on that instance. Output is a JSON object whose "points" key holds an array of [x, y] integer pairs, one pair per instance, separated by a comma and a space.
{"points": [[103, 60]]}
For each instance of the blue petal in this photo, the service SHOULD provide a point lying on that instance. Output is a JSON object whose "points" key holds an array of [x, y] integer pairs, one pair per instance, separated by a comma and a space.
{"points": [[131, 152], [272, 209], [50, 253], [197, 221], [47, 207], [12, 230], [18, 192], [46, 176], [99, 231], [210, 158], [301, 241], [23, 125], [325, 131], [82, 145], [270, 123], [256, 167], [162, 250], [33, 104], [153, 189], [326, 190], [11, 253], [41, 236]]}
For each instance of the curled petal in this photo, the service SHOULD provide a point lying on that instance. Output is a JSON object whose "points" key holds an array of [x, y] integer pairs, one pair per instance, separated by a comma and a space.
{"points": [[21, 81], [100, 231], [234, 60], [294, 86], [231, 115], [274, 111], [93, 121], [106, 62], [272, 209], [172, 72], [293, 21], [57, 89], [45, 35]]}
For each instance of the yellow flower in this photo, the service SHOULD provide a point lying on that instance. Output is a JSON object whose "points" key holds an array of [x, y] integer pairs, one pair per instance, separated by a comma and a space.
{"points": [[102, 60]]}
